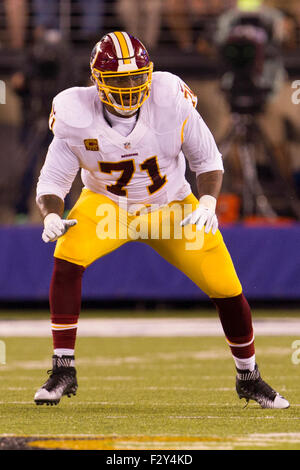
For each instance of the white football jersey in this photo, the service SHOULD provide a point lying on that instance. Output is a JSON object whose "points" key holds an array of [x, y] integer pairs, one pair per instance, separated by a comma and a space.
{"points": [[145, 167]]}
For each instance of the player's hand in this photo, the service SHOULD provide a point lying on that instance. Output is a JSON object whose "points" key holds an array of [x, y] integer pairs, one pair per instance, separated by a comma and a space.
{"points": [[204, 215], [55, 227]]}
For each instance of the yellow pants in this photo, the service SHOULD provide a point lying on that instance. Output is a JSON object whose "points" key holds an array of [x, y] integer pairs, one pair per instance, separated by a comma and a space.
{"points": [[103, 226]]}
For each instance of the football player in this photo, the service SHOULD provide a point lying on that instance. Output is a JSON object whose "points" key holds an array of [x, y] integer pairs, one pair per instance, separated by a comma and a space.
{"points": [[129, 134]]}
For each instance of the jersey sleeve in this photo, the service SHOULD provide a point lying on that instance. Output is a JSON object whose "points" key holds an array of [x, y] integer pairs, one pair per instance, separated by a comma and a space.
{"points": [[199, 146], [56, 124], [59, 170]]}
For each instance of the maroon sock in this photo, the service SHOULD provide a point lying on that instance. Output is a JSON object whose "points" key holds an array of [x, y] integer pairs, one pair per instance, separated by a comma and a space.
{"points": [[65, 302], [236, 320]]}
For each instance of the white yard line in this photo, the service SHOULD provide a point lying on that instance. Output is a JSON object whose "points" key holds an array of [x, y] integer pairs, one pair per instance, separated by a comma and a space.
{"points": [[157, 327]]}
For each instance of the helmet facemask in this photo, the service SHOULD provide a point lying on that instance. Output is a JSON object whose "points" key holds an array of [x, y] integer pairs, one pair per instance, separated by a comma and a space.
{"points": [[125, 91]]}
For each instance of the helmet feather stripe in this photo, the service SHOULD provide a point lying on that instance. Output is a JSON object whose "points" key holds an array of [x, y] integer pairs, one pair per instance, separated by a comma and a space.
{"points": [[124, 47]]}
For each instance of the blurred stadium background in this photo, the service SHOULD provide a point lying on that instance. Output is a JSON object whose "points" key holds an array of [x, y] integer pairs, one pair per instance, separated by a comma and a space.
{"points": [[244, 83]]}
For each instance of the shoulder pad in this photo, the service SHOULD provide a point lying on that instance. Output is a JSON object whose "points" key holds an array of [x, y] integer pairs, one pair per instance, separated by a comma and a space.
{"points": [[169, 90], [177, 100], [72, 108], [164, 88]]}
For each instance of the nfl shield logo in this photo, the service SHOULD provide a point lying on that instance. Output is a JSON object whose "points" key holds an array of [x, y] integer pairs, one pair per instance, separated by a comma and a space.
{"points": [[127, 145]]}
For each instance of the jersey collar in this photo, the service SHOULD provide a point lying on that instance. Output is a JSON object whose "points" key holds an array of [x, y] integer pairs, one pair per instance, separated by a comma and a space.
{"points": [[113, 136]]}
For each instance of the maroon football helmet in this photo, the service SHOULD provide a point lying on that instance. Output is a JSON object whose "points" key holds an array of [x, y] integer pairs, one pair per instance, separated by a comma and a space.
{"points": [[122, 71]]}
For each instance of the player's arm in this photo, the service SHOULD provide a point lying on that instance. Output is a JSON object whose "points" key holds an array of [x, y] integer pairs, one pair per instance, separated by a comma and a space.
{"points": [[210, 183], [50, 204], [205, 160], [55, 181]]}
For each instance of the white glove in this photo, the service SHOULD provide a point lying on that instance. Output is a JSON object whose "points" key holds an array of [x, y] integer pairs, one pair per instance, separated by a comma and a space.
{"points": [[205, 214], [55, 227]]}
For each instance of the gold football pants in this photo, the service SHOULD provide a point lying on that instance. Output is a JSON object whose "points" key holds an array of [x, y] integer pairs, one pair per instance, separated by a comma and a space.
{"points": [[103, 226]]}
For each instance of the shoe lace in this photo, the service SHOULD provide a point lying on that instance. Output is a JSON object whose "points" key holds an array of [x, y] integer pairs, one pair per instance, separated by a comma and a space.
{"points": [[56, 375], [265, 389]]}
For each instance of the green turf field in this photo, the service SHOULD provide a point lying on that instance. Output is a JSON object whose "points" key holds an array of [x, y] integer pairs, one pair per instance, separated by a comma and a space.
{"points": [[150, 393]]}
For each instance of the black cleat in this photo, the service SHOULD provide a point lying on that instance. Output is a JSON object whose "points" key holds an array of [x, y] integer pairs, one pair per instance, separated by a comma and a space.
{"points": [[62, 381], [250, 385]]}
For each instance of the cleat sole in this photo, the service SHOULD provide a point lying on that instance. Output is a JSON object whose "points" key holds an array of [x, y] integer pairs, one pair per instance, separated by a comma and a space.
{"points": [[46, 402]]}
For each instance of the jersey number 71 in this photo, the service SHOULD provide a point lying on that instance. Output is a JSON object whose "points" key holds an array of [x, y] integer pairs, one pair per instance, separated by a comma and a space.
{"points": [[127, 169]]}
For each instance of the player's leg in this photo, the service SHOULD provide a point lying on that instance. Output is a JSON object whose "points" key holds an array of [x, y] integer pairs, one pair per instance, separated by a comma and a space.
{"points": [[101, 228], [207, 262], [210, 267]]}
